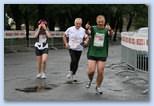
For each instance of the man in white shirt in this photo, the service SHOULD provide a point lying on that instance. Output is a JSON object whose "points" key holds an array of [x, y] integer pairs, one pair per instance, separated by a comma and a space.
{"points": [[75, 39]]}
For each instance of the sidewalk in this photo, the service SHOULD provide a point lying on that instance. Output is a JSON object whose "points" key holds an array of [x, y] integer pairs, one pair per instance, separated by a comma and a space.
{"points": [[20, 72]]}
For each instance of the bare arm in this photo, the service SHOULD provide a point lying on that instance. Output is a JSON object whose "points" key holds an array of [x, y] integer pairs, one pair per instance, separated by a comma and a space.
{"points": [[110, 31], [47, 33], [88, 28], [86, 39], [46, 30], [37, 32], [65, 41]]}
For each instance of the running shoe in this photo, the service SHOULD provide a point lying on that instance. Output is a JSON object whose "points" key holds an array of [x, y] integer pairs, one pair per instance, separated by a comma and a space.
{"points": [[69, 75], [88, 84], [38, 75], [43, 76], [99, 91]]}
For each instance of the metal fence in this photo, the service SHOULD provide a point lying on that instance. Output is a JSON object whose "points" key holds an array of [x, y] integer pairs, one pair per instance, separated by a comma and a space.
{"points": [[134, 53], [134, 50], [18, 39], [134, 58]]}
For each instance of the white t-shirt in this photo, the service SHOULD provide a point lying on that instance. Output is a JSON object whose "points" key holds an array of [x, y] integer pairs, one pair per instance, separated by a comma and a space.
{"points": [[42, 38], [75, 37]]}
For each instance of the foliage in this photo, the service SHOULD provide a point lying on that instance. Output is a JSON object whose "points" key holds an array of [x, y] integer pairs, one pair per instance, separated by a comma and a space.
{"points": [[121, 17]]}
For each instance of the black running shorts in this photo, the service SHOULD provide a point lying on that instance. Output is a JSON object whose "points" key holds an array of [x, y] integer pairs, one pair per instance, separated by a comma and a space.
{"points": [[41, 52], [97, 58]]}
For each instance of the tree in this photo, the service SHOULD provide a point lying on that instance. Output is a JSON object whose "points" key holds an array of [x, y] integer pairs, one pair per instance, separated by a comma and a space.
{"points": [[16, 14], [63, 15]]}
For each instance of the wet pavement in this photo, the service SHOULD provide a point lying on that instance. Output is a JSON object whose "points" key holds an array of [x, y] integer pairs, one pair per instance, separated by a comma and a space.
{"points": [[121, 83]]}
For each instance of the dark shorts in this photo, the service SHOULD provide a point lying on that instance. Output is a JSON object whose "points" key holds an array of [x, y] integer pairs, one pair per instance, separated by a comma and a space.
{"points": [[41, 52], [97, 58]]}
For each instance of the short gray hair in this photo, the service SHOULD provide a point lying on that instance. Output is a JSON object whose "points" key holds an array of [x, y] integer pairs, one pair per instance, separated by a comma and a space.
{"points": [[78, 19]]}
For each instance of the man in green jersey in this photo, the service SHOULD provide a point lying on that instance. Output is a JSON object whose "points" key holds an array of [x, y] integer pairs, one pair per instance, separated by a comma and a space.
{"points": [[98, 51]]}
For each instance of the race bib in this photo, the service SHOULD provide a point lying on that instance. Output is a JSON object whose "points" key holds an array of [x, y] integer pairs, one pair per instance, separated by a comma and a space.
{"points": [[99, 40]]}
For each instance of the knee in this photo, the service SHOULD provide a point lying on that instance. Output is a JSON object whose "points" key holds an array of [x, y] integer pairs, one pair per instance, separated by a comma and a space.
{"points": [[44, 61], [91, 72], [100, 72]]}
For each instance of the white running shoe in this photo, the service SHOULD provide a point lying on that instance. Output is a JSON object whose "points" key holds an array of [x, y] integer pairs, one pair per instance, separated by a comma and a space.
{"points": [[38, 75], [99, 91], [43, 76], [88, 84], [69, 75]]}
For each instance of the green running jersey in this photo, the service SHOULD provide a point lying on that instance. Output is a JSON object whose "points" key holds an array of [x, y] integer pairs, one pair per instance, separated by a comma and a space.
{"points": [[98, 46]]}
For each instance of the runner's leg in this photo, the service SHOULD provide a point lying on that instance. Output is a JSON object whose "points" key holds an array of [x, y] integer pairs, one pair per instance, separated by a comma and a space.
{"points": [[76, 61], [91, 71], [44, 61], [73, 60], [38, 59], [100, 72]]}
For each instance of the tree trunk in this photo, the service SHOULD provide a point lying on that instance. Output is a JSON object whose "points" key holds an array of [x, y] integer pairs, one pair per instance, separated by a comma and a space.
{"points": [[116, 25], [62, 22], [27, 27], [41, 11], [16, 13], [116, 29], [129, 22], [121, 24], [51, 23]]}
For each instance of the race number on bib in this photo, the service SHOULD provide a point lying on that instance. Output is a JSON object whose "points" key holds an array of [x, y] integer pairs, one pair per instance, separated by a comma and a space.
{"points": [[99, 40]]}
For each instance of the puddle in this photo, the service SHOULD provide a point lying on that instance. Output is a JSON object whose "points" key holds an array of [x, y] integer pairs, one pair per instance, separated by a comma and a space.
{"points": [[40, 86], [73, 82], [33, 89]]}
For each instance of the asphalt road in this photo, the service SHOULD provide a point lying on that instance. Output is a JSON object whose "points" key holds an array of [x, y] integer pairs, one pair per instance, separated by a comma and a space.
{"points": [[120, 83]]}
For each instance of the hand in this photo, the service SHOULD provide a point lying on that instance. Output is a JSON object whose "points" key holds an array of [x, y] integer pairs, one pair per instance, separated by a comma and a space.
{"points": [[66, 46], [39, 26], [108, 27], [44, 27], [85, 43], [87, 26]]}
